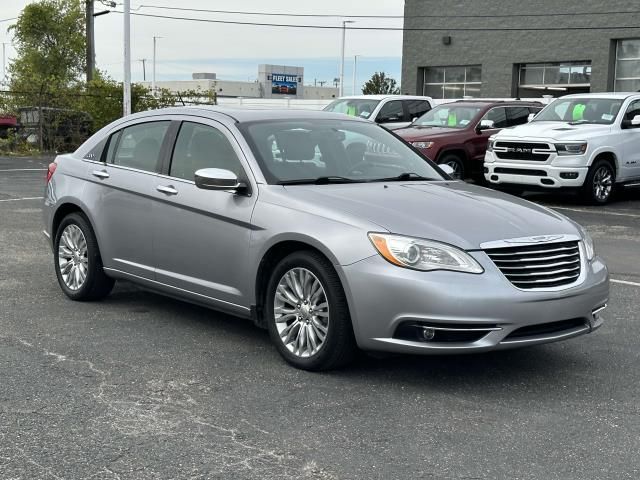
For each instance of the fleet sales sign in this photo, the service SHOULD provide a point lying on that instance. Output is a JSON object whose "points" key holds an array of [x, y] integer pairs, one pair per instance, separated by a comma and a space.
{"points": [[284, 84]]}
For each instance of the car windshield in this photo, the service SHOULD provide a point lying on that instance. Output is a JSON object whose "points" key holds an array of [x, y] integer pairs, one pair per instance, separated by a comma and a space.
{"points": [[581, 110], [450, 116], [333, 151], [355, 107]]}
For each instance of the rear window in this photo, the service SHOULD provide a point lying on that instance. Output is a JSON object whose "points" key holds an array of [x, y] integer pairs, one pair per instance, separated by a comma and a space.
{"points": [[138, 146]]}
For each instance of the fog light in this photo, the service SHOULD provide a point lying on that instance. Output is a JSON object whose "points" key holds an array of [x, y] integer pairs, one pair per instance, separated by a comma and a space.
{"points": [[494, 178], [569, 175], [486, 169], [428, 333]]}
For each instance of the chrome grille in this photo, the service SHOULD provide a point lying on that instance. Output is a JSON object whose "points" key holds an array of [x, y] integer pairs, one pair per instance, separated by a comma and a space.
{"points": [[537, 152], [540, 265]]}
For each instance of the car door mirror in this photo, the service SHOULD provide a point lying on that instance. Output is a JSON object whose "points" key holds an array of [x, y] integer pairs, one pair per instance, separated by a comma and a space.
{"points": [[486, 125], [446, 168], [531, 117], [635, 121], [218, 179]]}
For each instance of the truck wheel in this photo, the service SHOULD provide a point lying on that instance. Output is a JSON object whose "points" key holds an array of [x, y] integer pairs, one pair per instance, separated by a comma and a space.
{"points": [[598, 186], [455, 162]]}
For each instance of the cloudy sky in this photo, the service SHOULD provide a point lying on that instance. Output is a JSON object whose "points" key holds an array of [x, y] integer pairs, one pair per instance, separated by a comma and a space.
{"points": [[234, 51]]}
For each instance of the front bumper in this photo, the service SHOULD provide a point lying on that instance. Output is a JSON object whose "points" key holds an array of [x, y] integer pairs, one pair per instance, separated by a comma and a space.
{"points": [[384, 298]]}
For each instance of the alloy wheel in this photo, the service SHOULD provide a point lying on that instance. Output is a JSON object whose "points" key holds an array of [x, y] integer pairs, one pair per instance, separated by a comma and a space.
{"points": [[72, 257], [457, 170], [602, 183], [301, 312]]}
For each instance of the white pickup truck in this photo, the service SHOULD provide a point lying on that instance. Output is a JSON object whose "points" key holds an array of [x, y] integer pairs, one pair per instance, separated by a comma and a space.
{"points": [[588, 141]]}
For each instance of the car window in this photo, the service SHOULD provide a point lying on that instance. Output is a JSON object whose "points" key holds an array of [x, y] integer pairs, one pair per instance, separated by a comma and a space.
{"points": [[449, 115], [356, 107], [202, 146], [95, 153], [517, 115], [391, 112], [417, 108], [632, 110], [138, 146], [303, 150], [498, 116]]}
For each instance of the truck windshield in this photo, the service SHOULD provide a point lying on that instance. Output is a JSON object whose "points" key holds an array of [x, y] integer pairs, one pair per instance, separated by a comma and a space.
{"points": [[356, 107], [581, 110], [450, 116]]}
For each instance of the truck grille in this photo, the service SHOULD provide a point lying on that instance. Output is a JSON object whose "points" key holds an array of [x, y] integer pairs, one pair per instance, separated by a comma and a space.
{"points": [[539, 266], [522, 151]]}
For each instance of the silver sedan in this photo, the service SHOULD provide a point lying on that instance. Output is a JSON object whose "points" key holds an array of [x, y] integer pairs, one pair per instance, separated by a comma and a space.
{"points": [[329, 231]]}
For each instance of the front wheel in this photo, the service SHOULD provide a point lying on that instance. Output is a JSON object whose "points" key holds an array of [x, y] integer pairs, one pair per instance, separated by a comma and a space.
{"points": [[78, 263], [456, 163], [598, 186], [307, 313]]}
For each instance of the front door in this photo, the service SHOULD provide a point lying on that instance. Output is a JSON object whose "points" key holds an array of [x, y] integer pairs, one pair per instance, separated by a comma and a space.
{"points": [[630, 142], [201, 237]]}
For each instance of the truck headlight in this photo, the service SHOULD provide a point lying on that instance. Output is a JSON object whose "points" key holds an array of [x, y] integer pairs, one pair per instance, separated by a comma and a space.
{"points": [[571, 148], [424, 255], [422, 145], [490, 145]]}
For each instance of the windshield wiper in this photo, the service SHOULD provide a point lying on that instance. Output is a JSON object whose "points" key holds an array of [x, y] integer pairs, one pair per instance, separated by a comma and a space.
{"points": [[406, 176], [578, 122], [319, 181]]}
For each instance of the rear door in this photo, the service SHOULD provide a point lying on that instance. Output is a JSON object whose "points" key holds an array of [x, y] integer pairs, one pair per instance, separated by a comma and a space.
{"points": [[498, 115], [119, 190], [416, 108], [201, 237], [517, 115], [392, 115]]}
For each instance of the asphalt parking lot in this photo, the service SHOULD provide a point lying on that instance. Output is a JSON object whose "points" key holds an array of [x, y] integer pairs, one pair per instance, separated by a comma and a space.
{"points": [[142, 387]]}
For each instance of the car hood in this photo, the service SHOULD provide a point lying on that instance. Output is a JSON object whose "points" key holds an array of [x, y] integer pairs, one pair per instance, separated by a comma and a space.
{"points": [[555, 131], [420, 133], [452, 212]]}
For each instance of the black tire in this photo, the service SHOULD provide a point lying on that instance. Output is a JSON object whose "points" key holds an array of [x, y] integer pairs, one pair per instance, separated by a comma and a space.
{"points": [[339, 347], [97, 284], [592, 192], [455, 162]]}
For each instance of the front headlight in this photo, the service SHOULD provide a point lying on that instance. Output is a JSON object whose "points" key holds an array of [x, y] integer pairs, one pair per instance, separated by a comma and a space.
{"points": [[490, 143], [422, 145], [589, 246], [571, 148], [425, 255]]}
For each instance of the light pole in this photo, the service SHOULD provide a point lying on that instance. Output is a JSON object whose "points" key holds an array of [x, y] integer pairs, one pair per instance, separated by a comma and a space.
{"points": [[126, 85], [153, 78], [344, 31], [355, 69], [144, 69], [4, 61]]}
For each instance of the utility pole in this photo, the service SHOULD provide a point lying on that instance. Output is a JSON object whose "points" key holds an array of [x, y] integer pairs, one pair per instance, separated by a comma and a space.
{"points": [[153, 77], [344, 32], [355, 69], [144, 69], [91, 51], [126, 85]]}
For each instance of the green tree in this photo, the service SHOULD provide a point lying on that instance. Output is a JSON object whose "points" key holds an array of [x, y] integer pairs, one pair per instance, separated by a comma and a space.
{"points": [[380, 83], [50, 41]]}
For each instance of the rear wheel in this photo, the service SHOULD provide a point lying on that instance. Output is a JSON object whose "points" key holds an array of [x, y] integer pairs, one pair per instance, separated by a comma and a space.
{"points": [[598, 186], [456, 163], [77, 260], [307, 313]]}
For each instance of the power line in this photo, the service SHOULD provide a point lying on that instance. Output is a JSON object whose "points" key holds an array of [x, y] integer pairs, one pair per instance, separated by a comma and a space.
{"points": [[8, 19], [325, 15], [390, 29]]}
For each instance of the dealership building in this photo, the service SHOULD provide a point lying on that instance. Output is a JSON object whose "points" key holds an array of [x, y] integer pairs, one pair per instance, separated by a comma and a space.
{"points": [[273, 81], [520, 48]]}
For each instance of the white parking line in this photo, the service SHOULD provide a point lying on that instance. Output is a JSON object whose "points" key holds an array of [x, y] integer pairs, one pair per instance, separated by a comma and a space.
{"points": [[625, 282], [24, 170], [23, 198], [599, 212]]}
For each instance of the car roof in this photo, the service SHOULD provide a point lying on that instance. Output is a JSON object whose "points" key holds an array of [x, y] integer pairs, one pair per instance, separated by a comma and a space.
{"points": [[604, 95], [384, 97], [490, 103], [247, 114]]}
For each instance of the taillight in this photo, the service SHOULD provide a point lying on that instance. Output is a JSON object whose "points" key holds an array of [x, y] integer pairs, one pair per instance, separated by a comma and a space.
{"points": [[51, 170]]}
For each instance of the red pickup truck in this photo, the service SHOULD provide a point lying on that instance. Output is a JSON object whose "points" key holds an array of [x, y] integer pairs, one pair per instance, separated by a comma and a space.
{"points": [[456, 133]]}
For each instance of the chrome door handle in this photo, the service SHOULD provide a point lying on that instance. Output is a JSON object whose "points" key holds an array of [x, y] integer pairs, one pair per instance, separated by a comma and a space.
{"points": [[100, 173], [168, 189]]}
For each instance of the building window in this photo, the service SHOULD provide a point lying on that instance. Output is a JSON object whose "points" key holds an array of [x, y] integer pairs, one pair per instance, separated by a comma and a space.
{"points": [[628, 66], [452, 82], [561, 78]]}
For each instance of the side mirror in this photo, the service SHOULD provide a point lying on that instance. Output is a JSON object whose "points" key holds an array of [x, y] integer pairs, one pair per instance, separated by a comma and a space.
{"points": [[531, 117], [218, 179], [446, 168], [486, 125], [635, 121]]}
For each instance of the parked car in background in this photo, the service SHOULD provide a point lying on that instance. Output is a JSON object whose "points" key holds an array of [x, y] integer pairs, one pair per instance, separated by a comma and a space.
{"points": [[456, 134], [390, 111], [589, 142], [262, 214], [8, 123]]}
